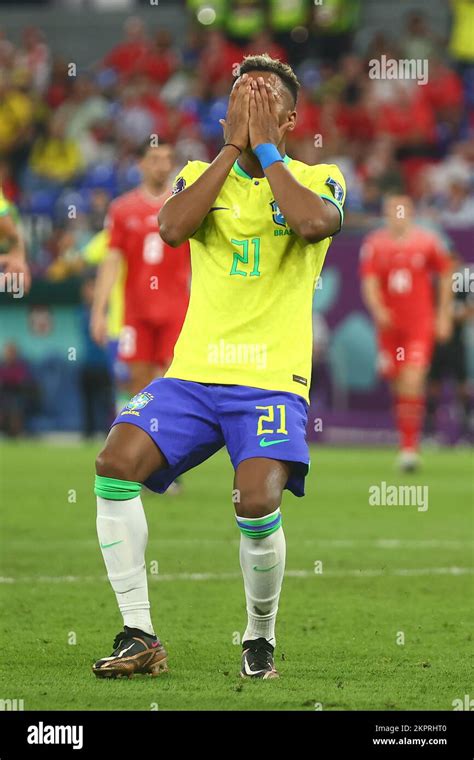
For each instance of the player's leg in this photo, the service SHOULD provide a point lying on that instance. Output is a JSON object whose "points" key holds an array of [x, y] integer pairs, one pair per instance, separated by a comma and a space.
{"points": [[120, 374], [136, 350], [258, 486], [403, 361], [141, 375], [126, 461], [163, 431], [265, 434], [409, 397]]}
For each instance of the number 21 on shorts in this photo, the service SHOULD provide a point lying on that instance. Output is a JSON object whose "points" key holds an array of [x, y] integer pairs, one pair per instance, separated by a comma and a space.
{"points": [[271, 418]]}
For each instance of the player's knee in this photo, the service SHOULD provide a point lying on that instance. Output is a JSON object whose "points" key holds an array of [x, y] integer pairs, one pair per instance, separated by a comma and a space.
{"points": [[114, 464], [257, 502]]}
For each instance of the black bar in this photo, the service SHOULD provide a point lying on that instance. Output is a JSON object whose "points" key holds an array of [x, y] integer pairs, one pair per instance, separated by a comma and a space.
{"points": [[324, 734]]}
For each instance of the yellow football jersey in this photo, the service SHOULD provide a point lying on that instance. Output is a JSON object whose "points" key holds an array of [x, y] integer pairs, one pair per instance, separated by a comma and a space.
{"points": [[94, 253], [249, 320]]}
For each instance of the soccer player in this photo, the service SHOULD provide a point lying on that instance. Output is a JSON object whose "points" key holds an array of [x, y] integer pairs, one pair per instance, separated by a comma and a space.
{"points": [[260, 225], [157, 279], [12, 248], [397, 265]]}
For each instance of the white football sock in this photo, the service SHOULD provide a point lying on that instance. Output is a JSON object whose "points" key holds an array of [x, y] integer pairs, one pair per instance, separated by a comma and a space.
{"points": [[262, 585], [123, 533]]}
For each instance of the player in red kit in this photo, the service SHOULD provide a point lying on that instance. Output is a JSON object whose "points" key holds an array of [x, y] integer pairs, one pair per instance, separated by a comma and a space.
{"points": [[156, 287], [398, 263]]}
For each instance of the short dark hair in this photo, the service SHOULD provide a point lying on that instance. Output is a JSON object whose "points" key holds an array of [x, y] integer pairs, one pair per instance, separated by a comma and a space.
{"points": [[264, 62], [142, 149]]}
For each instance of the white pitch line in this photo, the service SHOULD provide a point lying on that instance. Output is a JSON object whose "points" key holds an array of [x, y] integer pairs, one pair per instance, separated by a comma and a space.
{"points": [[333, 543], [172, 577]]}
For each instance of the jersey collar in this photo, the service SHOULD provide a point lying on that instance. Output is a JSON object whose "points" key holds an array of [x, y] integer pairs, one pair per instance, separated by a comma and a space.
{"points": [[241, 173]]}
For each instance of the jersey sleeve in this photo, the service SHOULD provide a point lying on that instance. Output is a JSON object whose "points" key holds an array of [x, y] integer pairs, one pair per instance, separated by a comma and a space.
{"points": [[330, 185], [188, 175], [115, 228], [368, 258]]}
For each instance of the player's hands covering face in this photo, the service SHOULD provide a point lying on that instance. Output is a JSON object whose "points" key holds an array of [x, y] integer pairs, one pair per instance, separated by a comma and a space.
{"points": [[236, 123], [266, 108]]}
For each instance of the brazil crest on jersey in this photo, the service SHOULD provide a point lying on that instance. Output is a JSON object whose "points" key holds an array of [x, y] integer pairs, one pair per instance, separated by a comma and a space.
{"points": [[253, 279]]}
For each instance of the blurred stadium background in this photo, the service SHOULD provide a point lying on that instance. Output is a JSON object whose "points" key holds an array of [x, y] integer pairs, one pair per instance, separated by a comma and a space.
{"points": [[83, 82]]}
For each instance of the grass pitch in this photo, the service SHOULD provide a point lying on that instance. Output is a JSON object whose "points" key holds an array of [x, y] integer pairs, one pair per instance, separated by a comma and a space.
{"points": [[374, 612]]}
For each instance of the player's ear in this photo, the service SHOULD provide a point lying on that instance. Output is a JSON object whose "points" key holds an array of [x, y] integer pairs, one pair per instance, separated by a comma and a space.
{"points": [[291, 119]]}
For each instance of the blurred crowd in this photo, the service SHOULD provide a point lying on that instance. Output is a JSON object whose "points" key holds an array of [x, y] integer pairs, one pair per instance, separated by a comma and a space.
{"points": [[68, 137]]}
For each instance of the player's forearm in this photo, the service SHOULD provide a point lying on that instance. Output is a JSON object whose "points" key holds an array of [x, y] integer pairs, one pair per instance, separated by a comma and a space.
{"points": [[184, 212], [305, 212], [106, 278], [445, 300], [372, 296]]}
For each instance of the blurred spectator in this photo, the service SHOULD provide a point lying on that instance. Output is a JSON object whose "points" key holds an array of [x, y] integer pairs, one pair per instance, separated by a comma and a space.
{"points": [[55, 158], [458, 209], [444, 94], [15, 391], [219, 58], [16, 115], [160, 60], [417, 40], [334, 23], [127, 55], [409, 120], [34, 56], [263, 42], [82, 111], [59, 83], [141, 112]]}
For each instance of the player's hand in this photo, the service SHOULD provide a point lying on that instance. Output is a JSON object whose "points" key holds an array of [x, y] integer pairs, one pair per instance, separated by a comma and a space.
{"points": [[15, 264], [264, 124], [443, 328], [236, 122], [383, 318], [98, 327]]}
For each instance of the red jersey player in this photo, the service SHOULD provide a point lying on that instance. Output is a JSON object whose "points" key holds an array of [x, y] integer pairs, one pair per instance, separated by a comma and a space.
{"points": [[398, 262], [156, 289]]}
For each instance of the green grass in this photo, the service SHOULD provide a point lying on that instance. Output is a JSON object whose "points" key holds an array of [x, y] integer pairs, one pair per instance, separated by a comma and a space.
{"points": [[337, 631]]}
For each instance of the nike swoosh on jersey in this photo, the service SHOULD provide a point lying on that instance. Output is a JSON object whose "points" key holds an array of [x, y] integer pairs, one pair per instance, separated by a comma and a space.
{"points": [[264, 443], [219, 208]]}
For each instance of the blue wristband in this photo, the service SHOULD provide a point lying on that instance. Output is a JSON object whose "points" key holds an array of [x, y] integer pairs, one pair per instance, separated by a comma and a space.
{"points": [[267, 154]]}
